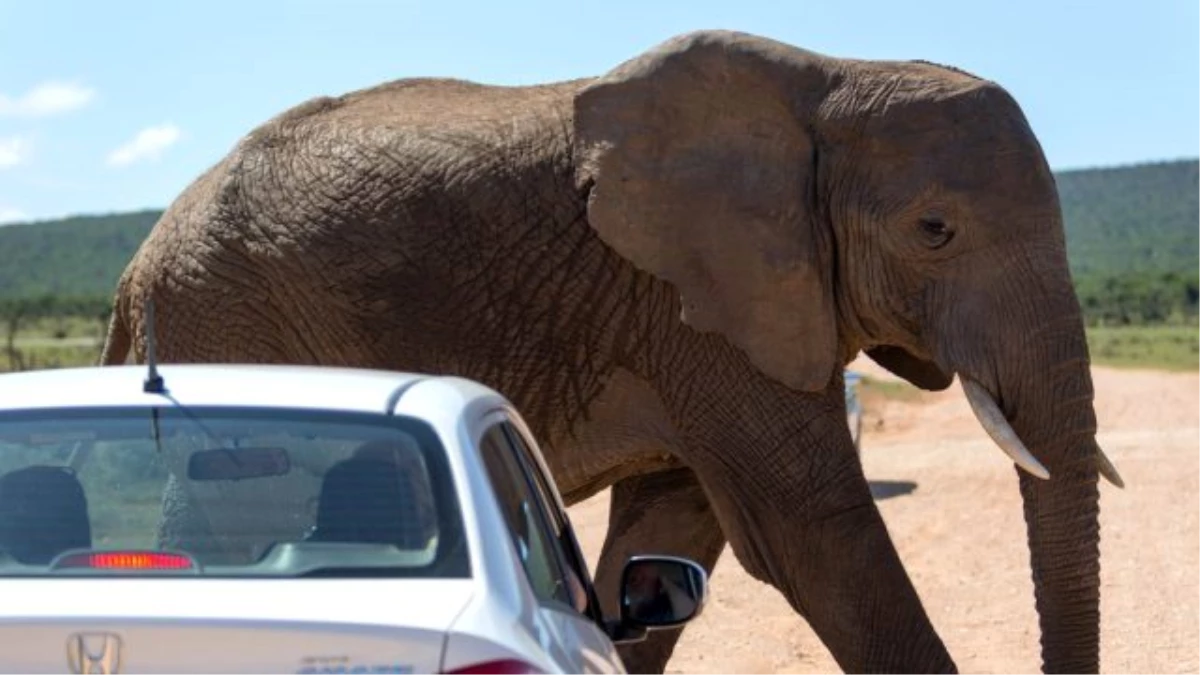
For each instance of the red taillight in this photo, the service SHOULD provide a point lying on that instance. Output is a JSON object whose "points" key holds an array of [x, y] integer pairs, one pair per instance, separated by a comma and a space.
{"points": [[125, 560], [499, 667]]}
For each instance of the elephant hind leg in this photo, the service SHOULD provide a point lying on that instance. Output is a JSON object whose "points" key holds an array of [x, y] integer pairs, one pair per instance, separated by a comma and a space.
{"points": [[660, 513]]}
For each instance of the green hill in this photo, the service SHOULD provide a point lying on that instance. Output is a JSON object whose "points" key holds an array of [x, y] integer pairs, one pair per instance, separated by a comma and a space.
{"points": [[1132, 219], [1131, 238], [77, 256], [1132, 241]]}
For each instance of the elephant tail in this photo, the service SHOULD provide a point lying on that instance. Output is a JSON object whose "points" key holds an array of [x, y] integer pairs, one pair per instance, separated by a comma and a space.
{"points": [[117, 342]]}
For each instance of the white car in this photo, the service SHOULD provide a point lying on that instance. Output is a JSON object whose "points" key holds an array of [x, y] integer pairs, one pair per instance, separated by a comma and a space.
{"points": [[272, 519]]}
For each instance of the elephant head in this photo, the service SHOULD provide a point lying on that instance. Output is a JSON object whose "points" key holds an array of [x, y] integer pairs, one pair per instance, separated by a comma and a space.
{"points": [[808, 207]]}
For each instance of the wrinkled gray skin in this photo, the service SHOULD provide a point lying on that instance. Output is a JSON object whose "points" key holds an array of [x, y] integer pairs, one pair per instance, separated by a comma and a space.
{"points": [[666, 269]]}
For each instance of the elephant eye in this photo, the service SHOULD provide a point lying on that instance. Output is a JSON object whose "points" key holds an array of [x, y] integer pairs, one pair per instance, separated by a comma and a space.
{"points": [[936, 232]]}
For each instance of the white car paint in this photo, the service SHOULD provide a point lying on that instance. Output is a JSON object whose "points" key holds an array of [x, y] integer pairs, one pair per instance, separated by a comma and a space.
{"points": [[305, 625], [222, 625]]}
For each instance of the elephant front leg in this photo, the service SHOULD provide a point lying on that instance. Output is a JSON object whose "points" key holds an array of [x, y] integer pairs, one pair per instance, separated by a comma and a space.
{"points": [[661, 513], [804, 521]]}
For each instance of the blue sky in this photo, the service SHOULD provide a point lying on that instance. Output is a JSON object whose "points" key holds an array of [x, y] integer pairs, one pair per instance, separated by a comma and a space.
{"points": [[109, 106]]}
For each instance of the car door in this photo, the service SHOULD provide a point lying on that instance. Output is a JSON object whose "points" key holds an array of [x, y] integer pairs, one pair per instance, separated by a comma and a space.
{"points": [[547, 547]]}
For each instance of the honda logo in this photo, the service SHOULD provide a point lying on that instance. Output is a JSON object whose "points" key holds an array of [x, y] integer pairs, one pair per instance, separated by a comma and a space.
{"points": [[94, 653]]}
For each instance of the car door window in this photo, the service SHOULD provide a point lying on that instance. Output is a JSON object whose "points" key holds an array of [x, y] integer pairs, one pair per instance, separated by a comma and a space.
{"points": [[527, 525], [569, 549]]}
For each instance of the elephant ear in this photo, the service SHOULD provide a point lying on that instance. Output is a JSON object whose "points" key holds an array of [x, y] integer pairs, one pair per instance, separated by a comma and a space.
{"points": [[701, 172]]}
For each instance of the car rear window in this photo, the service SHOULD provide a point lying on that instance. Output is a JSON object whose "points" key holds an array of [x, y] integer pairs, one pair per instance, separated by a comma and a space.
{"points": [[232, 491]]}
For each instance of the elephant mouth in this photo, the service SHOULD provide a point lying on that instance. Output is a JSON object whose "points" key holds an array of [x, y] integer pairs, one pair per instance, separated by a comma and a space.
{"points": [[919, 372]]}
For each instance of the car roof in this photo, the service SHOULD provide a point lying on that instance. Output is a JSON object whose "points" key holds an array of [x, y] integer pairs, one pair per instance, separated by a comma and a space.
{"points": [[243, 385]]}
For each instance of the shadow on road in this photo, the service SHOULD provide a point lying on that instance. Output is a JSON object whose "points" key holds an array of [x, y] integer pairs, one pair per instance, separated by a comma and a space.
{"points": [[884, 489]]}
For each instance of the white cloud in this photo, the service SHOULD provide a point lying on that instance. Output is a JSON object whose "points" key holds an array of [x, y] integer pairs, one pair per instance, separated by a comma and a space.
{"points": [[13, 151], [47, 98], [11, 215], [149, 144]]}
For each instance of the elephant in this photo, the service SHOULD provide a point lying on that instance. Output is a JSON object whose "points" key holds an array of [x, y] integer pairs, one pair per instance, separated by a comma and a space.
{"points": [[666, 268]]}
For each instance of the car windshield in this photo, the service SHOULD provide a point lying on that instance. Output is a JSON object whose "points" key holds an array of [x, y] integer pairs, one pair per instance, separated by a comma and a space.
{"points": [[225, 492]]}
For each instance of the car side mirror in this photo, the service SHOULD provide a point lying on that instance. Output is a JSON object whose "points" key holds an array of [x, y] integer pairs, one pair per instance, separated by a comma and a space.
{"points": [[661, 592]]}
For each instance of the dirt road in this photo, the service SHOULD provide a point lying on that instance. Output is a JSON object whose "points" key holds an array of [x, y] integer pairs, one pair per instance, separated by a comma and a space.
{"points": [[951, 503]]}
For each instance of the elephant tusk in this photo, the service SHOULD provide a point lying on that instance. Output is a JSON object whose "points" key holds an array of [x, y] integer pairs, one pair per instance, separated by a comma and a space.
{"points": [[992, 419], [1105, 465]]}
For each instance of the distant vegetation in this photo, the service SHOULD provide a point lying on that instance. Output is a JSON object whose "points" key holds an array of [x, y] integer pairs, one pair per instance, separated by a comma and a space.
{"points": [[50, 331], [78, 256], [1132, 219], [1138, 298], [1132, 243], [1163, 346]]}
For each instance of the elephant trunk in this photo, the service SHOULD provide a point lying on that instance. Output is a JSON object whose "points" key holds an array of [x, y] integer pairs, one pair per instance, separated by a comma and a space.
{"points": [[1047, 424], [1062, 520]]}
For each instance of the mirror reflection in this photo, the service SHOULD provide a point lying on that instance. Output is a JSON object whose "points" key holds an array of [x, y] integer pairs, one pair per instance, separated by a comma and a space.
{"points": [[662, 592]]}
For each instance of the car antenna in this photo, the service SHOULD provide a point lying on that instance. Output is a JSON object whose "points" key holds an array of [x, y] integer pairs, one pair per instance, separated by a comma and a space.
{"points": [[154, 381]]}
